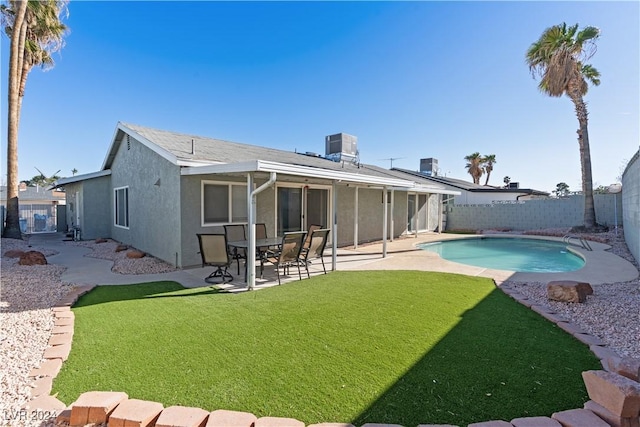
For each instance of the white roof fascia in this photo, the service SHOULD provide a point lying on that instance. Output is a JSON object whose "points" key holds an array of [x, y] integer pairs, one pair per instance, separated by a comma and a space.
{"points": [[144, 141], [78, 178], [196, 163], [296, 170], [431, 190]]}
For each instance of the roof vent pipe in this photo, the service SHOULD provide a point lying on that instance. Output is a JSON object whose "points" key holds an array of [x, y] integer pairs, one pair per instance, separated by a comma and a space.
{"points": [[193, 146]]}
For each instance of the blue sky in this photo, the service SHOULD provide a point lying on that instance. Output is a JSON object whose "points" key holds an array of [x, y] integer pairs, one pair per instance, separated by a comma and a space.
{"points": [[410, 79]]}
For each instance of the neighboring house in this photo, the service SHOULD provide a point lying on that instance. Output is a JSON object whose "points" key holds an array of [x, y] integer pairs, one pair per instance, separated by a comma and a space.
{"points": [[476, 194], [38, 208], [157, 189]]}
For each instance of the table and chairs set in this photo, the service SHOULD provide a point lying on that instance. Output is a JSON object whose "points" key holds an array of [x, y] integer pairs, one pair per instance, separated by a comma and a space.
{"points": [[292, 249]]}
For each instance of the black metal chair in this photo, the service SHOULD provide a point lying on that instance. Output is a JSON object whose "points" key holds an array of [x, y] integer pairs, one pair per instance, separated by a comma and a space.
{"points": [[317, 243], [288, 253], [235, 232], [213, 251]]}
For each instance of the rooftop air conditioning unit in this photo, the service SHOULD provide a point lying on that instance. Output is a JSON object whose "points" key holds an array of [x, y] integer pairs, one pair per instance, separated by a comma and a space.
{"points": [[514, 185]]}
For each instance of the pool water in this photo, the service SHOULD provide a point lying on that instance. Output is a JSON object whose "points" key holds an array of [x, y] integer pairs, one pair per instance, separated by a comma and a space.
{"points": [[514, 254]]}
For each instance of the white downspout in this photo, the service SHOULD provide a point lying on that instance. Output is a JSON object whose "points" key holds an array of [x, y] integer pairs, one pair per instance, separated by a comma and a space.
{"points": [[391, 212], [251, 249]]}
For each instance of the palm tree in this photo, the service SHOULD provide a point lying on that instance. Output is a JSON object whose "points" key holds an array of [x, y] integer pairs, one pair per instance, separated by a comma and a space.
{"points": [[35, 31], [488, 162], [474, 166], [558, 58]]}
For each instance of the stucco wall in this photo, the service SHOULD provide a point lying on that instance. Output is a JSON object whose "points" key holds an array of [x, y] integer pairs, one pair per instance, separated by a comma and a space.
{"points": [[533, 214], [154, 201], [631, 205], [94, 205], [191, 222]]}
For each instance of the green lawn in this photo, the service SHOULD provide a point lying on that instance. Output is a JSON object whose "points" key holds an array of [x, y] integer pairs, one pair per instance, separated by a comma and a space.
{"points": [[399, 347]]}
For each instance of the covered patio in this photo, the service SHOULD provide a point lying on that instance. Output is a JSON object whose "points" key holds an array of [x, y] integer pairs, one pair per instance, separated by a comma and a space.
{"points": [[261, 175]]}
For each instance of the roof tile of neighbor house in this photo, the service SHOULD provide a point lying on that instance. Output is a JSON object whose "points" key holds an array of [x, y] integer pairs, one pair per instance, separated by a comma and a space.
{"points": [[34, 194], [470, 186], [210, 150]]}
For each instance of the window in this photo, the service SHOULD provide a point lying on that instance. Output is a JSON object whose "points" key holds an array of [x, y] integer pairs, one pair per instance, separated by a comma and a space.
{"points": [[122, 207], [223, 203]]}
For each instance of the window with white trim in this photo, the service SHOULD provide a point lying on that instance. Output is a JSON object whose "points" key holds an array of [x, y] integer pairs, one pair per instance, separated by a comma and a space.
{"points": [[223, 203], [121, 208]]}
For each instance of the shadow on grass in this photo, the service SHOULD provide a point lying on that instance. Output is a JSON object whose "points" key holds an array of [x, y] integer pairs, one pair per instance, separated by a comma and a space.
{"points": [[112, 293], [445, 386]]}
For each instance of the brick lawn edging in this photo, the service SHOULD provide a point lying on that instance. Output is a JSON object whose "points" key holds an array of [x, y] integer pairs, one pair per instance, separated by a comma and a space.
{"points": [[614, 391]]}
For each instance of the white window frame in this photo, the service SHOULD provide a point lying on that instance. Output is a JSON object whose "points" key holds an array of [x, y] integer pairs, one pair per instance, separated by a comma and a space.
{"points": [[115, 207], [229, 186]]}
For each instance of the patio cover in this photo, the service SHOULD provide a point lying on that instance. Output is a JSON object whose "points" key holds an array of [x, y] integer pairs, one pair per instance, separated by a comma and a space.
{"points": [[250, 168]]}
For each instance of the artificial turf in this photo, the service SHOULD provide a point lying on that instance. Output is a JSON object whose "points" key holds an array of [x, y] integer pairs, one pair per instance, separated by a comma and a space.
{"points": [[401, 347]]}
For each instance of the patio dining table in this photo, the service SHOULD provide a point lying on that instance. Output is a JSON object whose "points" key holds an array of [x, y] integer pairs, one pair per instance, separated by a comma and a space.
{"points": [[268, 242]]}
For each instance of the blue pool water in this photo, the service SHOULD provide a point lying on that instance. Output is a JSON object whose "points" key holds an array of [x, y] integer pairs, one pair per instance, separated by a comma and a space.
{"points": [[521, 255]]}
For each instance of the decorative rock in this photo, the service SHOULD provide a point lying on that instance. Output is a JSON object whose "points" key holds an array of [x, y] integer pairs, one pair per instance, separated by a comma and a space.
{"points": [[135, 413], [63, 321], [58, 352], [60, 339], [495, 423], [332, 425], [121, 248], [95, 407], [49, 368], [579, 418], [618, 394], [64, 417], [46, 403], [224, 418], [278, 422], [135, 254], [570, 328], [568, 291], [13, 253], [380, 425], [626, 366], [535, 422], [32, 258], [101, 240], [437, 425], [182, 416], [589, 339], [612, 419], [41, 386]]}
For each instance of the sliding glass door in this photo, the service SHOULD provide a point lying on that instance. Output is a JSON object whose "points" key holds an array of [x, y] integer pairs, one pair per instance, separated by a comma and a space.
{"points": [[299, 207]]}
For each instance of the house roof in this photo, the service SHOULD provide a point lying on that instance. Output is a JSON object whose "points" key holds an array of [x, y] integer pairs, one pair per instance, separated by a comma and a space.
{"points": [[470, 186], [78, 178], [200, 155]]}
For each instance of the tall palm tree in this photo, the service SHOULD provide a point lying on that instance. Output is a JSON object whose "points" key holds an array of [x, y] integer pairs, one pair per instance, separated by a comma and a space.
{"points": [[488, 162], [36, 31], [558, 58], [474, 166]]}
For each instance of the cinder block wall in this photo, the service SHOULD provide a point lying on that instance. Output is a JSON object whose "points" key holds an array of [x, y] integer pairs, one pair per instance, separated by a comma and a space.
{"points": [[534, 214], [631, 205]]}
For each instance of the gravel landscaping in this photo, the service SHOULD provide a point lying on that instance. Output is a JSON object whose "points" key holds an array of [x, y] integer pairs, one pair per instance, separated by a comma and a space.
{"points": [[28, 292]]}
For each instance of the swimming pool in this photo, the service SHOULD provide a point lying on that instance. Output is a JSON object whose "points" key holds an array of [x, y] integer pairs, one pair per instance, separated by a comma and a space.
{"points": [[513, 254]]}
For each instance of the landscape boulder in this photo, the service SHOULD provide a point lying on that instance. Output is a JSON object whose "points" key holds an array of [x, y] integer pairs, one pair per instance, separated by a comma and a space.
{"points": [[568, 291], [32, 258], [13, 253], [135, 254], [101, 240], [121, 248]]}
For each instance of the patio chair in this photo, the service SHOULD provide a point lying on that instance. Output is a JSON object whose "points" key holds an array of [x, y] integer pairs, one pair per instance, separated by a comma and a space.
{"points": [[213, 251], [317, 244], [310, 230], [235, 232], [289, 253]]}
